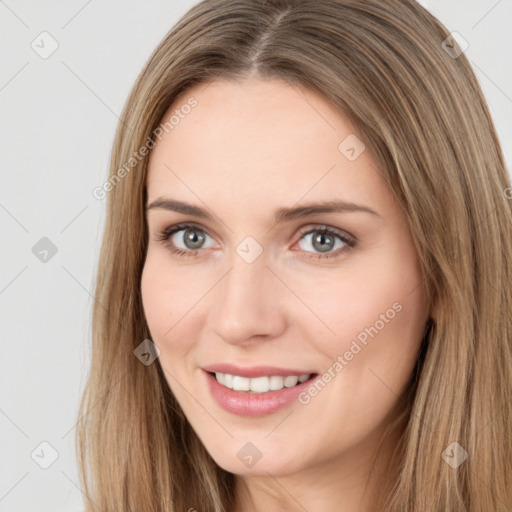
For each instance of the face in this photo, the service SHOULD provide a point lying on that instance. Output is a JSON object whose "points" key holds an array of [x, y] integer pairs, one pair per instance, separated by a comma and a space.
{"points": [[286, 331]]}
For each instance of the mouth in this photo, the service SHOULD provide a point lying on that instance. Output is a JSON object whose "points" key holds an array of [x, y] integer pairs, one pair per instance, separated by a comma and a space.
{"points": [[259, 385], [256, 391]]}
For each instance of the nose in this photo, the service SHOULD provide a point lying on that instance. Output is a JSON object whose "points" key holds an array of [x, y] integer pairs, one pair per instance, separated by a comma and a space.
{"points": [[248, 303]]}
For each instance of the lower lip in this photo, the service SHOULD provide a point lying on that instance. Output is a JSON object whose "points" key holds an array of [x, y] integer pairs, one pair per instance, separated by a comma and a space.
{"points": [[243, 403]]}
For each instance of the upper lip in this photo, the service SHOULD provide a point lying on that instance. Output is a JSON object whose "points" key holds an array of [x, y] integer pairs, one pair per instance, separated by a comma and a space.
{"points": [[254, 371]]}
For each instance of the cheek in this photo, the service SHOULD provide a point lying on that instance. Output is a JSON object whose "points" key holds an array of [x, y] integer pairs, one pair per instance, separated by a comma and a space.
{"points": [[173, 299], [155, 298], [347, 308], [164, 299], [376, 316], [164, 306], [370, 358], [165, 292]]}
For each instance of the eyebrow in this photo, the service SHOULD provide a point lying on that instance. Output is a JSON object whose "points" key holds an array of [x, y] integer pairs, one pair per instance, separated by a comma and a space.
{"points": [[281, 215]]}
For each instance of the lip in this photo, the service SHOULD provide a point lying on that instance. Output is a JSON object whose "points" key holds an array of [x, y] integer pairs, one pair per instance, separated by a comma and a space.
{"points": [[243, 403], [255, 371]]}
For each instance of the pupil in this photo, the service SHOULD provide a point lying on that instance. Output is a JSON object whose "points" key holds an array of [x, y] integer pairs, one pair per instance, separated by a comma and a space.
{"points": [[319, 242]]}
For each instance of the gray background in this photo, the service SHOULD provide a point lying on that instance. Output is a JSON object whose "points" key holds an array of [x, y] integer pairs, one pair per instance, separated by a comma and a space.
{"points": [[57, 125]]}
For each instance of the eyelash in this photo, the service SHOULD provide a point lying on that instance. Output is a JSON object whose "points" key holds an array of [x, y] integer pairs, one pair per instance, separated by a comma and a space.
{"points": [[349, 241]]}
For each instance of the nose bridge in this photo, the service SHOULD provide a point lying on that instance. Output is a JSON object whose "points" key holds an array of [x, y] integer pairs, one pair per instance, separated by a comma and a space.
{"points": [[247, 302]]}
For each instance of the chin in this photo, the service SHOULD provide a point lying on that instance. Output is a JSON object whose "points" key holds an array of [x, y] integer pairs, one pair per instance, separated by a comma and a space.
{"points": [[246, 459]]}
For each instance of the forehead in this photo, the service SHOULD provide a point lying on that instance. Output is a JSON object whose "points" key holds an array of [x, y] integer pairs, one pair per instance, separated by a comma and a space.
{"points": [[258, 142]]}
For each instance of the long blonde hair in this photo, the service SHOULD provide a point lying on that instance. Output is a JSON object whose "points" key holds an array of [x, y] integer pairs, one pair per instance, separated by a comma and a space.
{"points": [[424, 118]]}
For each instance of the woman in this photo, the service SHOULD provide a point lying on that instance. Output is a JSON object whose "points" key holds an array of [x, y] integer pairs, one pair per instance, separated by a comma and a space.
{"points": [[303, 296]]}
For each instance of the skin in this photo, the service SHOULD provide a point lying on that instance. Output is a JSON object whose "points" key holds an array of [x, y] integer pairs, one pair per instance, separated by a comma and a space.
{"points": [[247, 149]]}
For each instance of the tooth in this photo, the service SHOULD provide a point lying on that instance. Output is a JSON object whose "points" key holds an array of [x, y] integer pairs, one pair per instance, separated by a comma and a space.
{"points": [[228, 380], [240, 383], [259, 384], [290, 381], [276, 382]]}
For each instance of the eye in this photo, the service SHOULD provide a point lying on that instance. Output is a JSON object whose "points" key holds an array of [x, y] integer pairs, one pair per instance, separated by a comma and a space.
{"points": [[186, 244], [324, 239]]}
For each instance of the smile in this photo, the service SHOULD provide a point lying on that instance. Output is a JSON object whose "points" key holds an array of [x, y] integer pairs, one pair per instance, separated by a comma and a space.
{"points": [[259, 384]]}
